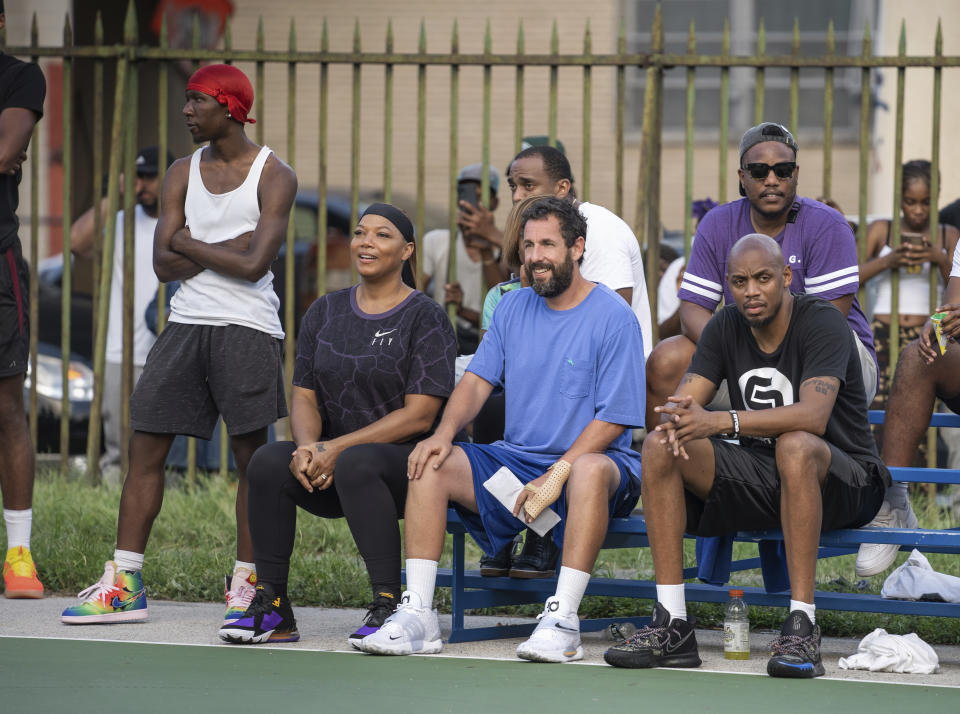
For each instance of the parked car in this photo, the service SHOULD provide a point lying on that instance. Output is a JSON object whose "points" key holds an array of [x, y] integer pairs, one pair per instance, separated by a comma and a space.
{"points": [[50, 395]]}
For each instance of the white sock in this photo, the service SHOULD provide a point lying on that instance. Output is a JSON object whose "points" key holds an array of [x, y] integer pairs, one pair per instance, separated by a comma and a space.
{"points": [[18, 527], [571, 585], [806, 607], [422, 579], [238, 564], [897, 495], [673, 600], [128, 560]]}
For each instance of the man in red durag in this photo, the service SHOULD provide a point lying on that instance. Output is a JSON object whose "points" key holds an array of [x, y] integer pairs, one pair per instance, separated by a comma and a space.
{"points": [[223, 218]]}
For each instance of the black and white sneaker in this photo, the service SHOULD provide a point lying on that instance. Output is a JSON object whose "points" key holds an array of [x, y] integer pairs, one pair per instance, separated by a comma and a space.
{"points": [[662, 643], [268, 619], [556, 639], [796, 652], [380, 609]]}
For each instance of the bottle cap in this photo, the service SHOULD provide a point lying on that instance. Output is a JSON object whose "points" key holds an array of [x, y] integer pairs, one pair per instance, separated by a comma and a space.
{"points": [[736, 593]]}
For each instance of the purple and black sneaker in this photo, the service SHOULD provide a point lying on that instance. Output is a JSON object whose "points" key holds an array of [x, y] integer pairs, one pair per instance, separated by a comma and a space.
{"points": [[382, 607], [268, 619]]}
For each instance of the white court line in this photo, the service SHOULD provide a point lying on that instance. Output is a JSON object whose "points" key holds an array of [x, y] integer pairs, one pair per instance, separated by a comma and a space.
{"points": [[282, 648]]}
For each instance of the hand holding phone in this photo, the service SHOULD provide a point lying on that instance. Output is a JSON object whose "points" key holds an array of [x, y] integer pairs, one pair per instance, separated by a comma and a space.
{"points": [[467, 193]]}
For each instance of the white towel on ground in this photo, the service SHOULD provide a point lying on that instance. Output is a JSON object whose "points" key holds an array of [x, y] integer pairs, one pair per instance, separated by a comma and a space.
{"points": [[882, 652], [917, 580]]}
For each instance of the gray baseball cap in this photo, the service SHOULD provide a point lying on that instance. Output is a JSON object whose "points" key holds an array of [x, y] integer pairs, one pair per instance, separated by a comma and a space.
{"points": [[767, 131], [474, 172]]}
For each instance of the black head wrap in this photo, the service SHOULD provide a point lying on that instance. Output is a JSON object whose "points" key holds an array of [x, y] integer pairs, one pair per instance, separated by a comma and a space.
{"points": [[399, 219], [395, 216]]}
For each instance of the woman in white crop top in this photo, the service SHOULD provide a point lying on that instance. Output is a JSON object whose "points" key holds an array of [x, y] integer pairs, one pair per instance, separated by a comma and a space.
{"points": [[915, 257]]}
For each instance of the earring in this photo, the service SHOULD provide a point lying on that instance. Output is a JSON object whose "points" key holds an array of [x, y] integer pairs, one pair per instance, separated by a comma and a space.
{"points": [[228, 116]]}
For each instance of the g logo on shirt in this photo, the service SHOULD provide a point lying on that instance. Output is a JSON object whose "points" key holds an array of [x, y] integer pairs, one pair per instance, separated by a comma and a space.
{"points": [[765, 388]]}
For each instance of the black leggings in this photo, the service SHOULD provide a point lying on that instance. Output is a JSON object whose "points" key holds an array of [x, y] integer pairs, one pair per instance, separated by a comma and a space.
{"points": [[369, 489]]}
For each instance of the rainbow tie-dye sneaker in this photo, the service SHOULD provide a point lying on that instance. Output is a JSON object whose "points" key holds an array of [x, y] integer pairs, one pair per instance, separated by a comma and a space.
{"points": [[118, 597], [20, 575], [239, 590]]}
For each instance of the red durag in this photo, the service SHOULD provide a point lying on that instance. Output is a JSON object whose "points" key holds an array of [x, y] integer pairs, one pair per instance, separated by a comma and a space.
{"points": [[228, 85]]}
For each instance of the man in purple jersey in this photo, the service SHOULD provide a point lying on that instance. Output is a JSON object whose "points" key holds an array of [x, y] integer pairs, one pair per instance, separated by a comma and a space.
{"points": [[816, 242]]}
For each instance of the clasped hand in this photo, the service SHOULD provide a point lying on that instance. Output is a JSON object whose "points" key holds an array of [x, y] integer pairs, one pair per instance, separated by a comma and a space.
{"points": [[313, 465], [685, 420]]}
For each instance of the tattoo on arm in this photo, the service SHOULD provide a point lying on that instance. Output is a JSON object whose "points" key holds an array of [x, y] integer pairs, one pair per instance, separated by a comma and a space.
{"points": [[319, 447], [822, 386], [688, 378]]}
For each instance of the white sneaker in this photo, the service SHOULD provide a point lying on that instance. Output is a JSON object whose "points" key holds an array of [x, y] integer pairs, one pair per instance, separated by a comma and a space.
{"points": [[556, 639], [873, 558], [412, 629]]}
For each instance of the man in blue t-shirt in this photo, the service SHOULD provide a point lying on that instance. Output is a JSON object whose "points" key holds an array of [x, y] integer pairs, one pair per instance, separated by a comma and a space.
{"points": [[815, 240], [565, 351]]}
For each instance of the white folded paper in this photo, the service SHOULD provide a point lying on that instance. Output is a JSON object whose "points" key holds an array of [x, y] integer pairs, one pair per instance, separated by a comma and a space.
{"points": [[505, 487]]}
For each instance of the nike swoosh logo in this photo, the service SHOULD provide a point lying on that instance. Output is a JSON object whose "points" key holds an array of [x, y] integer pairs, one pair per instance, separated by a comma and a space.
{"points": [[566, 629], [381, 334], [673, 646], [119, 604], [395, 637]]}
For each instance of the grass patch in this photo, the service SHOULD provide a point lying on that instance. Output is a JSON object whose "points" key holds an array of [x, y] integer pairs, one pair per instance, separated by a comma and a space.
{"points": [[193, 545]]}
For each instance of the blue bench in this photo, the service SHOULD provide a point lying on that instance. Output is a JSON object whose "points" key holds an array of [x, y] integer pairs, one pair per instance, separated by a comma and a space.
{"points": [[470, 590]]}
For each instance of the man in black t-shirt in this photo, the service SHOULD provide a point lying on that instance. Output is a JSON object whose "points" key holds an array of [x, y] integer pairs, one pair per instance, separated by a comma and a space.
{"points": [[805, 462], [22, 89]]}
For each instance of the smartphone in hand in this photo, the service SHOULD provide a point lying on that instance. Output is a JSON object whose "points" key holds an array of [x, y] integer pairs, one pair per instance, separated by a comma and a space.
{"points": [[467, 192]]}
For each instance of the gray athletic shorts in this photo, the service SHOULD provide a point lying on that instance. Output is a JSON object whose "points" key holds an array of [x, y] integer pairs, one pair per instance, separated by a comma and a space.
{"points": [[196, 373]]}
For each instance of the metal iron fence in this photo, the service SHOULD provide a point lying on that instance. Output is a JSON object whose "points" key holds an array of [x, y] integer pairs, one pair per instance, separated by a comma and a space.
{"points": [[129, 56]]}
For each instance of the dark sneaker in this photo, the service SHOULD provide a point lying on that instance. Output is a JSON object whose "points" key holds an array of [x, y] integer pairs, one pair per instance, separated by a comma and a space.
{"points": [[268, 619], [382, 607], [662, 643], [796, 652], [496, 566], [538, 559]]}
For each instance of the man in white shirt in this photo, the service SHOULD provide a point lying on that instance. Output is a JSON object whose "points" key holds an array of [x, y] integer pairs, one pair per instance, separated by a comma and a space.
{"points": [[144, 285], [612, 255]]}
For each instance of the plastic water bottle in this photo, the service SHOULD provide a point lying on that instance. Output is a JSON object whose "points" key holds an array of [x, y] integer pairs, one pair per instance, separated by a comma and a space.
{"points": [[736, 628]]}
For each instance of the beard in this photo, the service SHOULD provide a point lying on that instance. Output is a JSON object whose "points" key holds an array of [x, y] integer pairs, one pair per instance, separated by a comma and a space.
{"points": [[759, 322], [560, 280], [149, 205]]}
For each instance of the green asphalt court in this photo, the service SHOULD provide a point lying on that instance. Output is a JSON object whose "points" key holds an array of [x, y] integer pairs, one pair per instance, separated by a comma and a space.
{"points": [[65, 675]]}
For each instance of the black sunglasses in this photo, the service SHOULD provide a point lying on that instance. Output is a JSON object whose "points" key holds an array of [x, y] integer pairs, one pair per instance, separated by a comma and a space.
{"points": [[759, 172]]}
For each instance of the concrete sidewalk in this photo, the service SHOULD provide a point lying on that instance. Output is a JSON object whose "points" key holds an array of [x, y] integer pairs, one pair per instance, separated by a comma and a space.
{"points": [[323, 629]]}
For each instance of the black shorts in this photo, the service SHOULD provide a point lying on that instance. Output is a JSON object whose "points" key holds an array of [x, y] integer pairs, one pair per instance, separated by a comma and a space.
{"points": [[195, 373], [746, 492], [14, 312]]}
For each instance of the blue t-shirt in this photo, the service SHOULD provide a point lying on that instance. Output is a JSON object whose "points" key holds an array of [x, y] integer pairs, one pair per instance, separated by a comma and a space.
{"points": [[561, 369]]}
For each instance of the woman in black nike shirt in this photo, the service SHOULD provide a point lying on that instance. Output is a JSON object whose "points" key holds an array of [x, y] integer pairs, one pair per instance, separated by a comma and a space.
{"points": [[374, 367]]}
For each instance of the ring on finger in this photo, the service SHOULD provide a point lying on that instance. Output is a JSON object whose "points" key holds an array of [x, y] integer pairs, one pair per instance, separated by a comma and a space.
{"points": [[323, 477]]}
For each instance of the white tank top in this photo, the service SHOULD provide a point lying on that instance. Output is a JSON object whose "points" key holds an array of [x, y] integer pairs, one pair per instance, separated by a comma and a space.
{"points": [[914, 290], [211, 298]]}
